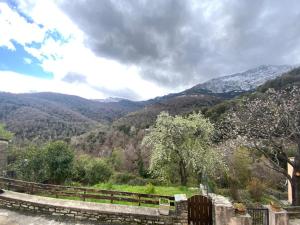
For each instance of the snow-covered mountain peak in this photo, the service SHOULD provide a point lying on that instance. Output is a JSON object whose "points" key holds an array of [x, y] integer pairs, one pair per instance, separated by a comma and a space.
{"points": [[244, 81]]}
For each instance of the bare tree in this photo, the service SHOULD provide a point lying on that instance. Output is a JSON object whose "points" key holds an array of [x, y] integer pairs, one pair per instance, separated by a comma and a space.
{"points": [[271, 123]]}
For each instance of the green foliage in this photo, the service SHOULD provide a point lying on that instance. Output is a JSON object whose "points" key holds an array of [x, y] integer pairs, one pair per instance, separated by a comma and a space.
{"points": [[30, 165], [122, 178], [4, 133], [50, 163], [182, 144], [97, 170], [79, 168], [116, 159], [59, 158], [160, 190], [150, 189], [89, 170]]}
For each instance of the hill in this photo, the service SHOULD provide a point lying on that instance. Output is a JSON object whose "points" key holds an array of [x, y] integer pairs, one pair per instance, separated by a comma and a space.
{"points": [[46, 116]]}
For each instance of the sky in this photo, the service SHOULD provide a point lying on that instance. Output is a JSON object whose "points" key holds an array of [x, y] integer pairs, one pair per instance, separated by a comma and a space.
{"points": [[140, 49]]}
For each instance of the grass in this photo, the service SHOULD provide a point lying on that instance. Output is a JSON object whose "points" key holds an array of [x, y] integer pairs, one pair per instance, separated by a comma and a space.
{"points": [[149, 189]]}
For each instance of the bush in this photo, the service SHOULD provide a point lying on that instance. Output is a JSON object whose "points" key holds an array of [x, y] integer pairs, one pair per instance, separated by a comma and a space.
{"points": [[138, 181], [122, 178], [59, 158], [97, 171], [79, 169], [256, 189], [150, 189]]}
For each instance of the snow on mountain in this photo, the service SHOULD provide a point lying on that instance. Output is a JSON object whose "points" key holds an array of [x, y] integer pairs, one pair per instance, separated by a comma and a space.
{"points": [[244, 81]]}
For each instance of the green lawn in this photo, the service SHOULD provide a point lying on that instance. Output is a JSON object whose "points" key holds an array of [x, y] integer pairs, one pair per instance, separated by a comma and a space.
{"points": [[147, 189], [159, 190]]}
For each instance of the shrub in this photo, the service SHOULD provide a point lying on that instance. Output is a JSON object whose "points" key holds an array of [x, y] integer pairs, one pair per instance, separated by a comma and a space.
{"points": [[59, 158], [79, 168], [138, 181], [97, 171], [122, 178], [150, 189], [256, 189]]}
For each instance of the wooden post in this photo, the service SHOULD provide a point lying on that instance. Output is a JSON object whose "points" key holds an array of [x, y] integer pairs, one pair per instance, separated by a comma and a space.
{"points": [[84, 192], [111, 200]]}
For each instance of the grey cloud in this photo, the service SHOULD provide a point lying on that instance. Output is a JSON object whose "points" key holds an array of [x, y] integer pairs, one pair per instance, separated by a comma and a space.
{"points": [[183, 42], [74, 78]]}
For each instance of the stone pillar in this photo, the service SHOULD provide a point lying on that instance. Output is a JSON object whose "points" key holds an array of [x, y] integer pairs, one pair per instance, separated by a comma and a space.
{"points": [[278, 218], [3, 156], [181, 208], [223, 209], [224, 213], [241, 220]]}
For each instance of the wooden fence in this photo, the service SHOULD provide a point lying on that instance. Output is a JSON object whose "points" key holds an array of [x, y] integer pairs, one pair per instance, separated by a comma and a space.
{"points": [[85, 194]]}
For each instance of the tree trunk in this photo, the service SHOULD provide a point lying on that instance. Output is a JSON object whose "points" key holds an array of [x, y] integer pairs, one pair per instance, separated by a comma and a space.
{"points": [[296, 179], [183, 173]]}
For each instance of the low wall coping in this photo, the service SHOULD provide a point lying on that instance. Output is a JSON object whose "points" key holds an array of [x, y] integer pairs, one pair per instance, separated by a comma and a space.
{"points": [[180, 197], [73, 204]]}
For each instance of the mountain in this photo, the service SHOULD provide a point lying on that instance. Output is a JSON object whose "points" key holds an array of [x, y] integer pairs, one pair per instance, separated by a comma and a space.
{"points": [[283, 82], [202, 96], [47, 116], [245, 81]]}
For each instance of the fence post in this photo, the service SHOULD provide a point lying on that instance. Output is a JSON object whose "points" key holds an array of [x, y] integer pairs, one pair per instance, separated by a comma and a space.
{"points": [[111, 200]]}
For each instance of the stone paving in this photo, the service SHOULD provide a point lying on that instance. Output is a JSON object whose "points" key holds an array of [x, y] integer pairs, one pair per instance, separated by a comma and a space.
{"points": [[8, 217], [294, 222]]}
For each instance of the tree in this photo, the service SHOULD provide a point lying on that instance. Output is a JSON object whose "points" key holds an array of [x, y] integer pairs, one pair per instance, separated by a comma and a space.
{"points": [[97, 170], [181, 144], [4, 133], [59, 158], [271, 123]]}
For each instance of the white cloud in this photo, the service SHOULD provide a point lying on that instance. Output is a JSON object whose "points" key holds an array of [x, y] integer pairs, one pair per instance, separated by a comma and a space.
{"points": [[64, 56], [13, 27], [18, 83]]}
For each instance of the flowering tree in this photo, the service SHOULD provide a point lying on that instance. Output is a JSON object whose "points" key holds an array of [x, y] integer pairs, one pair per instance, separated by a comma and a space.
{"points": [[182, 144], [271, 124]]}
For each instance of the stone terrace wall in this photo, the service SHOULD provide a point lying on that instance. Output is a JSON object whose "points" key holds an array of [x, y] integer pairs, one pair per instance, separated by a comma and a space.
{"points": [[91, 215]]}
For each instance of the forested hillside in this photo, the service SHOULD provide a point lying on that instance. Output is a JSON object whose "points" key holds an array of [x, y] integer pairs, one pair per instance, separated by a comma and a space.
{"points": [[50, 116]]}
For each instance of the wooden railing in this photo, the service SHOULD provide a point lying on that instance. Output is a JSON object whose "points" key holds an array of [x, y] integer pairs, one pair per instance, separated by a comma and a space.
{"points": [[84, 194]]}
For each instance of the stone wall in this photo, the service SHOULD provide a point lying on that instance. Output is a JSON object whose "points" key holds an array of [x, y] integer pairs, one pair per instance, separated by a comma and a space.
{"points": [[293, 211], [92, 215], [3, 156]]}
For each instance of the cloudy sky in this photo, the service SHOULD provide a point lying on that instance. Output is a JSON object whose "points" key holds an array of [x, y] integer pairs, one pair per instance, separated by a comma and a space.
{"points": [[139, 49]]}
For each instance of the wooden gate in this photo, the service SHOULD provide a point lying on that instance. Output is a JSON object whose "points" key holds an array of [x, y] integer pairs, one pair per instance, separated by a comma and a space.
{"points": [[200, 210]]}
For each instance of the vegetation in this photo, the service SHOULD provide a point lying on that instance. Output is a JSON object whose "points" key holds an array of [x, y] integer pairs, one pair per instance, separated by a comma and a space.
{"points": [[270, 124], [182, 145], [4, 133], [249, 142], [149, 189]]}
